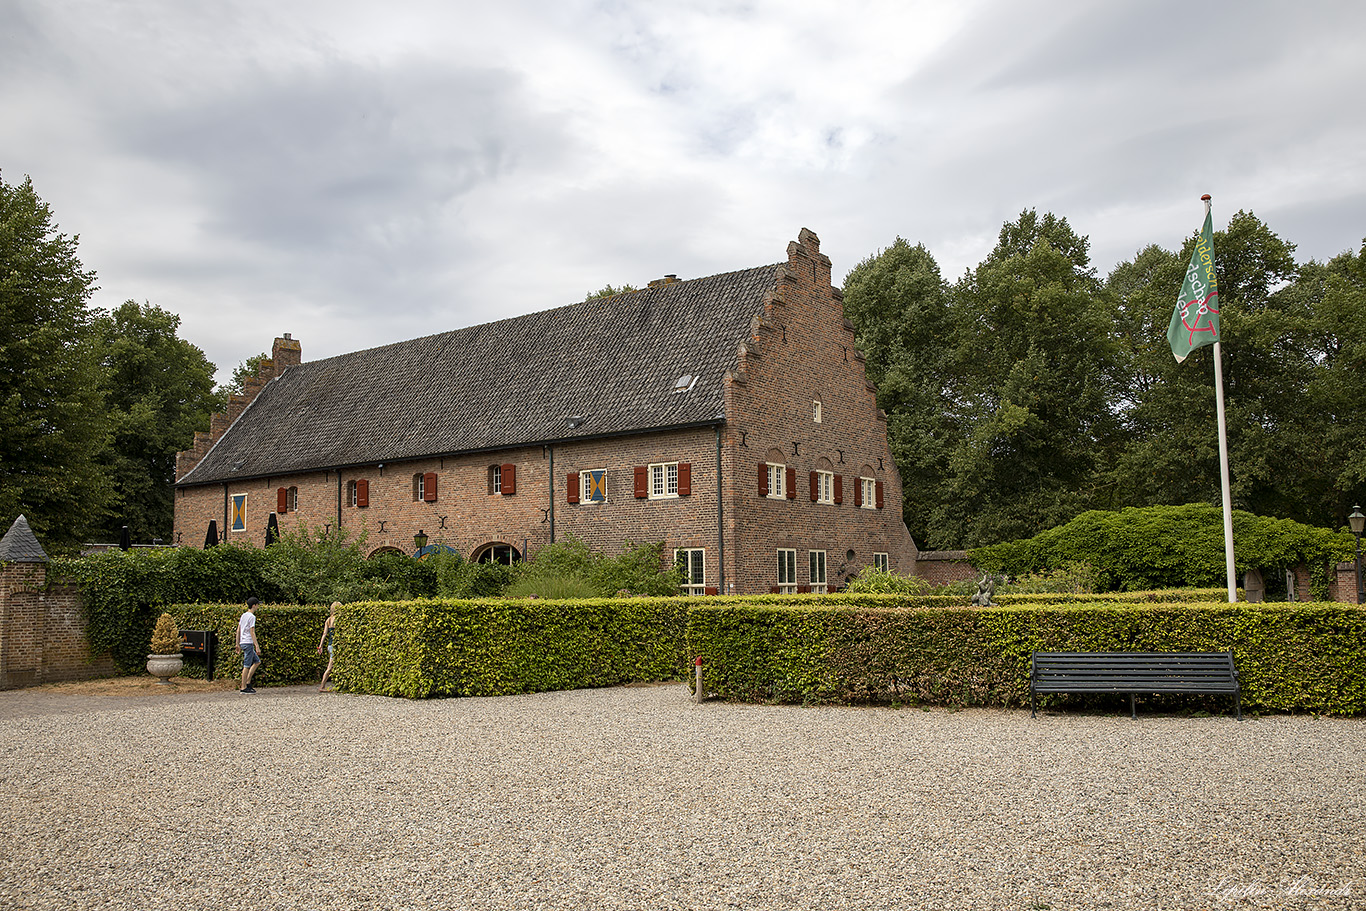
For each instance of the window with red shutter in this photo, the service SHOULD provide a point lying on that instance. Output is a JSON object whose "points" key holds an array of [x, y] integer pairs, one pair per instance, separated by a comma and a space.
{"points": [[791, 483], [642, 482], [839, 489], [573, 486], [362, 492], [429, 487], [684, 479], [282, 501], [763, 479], [858, 493], [815, 487], [509, 479], [879, 494]]}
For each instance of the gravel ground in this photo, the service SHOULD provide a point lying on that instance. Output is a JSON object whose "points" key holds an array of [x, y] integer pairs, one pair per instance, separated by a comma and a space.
{"points": [[636, 798]]}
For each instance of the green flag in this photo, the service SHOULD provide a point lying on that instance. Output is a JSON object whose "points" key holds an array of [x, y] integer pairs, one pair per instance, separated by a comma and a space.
{"points": [[1195, 321]]}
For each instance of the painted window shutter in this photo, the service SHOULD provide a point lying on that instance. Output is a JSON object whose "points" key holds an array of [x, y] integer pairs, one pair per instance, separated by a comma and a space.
{"points": [[573, 486], [282, 501], [362, 492], [509, 479], [791, 482], [429, 487], [815, 487], [711, 590], [878, 493], [763, 479], [839, 489], [642, 482], [858, 492], [685, 479], [774, 590]]}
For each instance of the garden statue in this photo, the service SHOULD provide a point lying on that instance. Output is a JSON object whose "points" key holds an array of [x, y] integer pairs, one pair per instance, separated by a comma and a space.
{"points": [[985, 589]]}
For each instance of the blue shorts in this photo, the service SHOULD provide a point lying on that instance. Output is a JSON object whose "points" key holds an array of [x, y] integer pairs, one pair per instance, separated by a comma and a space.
{"points": [[249, 655]]}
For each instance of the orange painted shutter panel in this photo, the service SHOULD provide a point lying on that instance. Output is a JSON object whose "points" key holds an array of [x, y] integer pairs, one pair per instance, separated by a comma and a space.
{"points": [[429, 487], [839, 489], [878, 492], [282, 501], [573, 486], [763, 479], [791, 483], [509, 479], [642, 482], [362, 492], [685, 479]]}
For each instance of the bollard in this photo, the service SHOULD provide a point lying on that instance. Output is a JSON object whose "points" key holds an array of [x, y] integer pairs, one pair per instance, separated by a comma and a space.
{"points": [[697, 692]]}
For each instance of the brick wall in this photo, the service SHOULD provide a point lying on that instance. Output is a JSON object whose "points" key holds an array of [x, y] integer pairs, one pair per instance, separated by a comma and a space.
{"points": [[944, 566], [42, 631], [801, 352]]}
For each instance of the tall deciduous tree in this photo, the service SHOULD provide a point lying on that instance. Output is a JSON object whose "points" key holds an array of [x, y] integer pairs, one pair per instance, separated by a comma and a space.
{"points": [[899, 305], [159, 390], [52, 423], [1037, 370]]}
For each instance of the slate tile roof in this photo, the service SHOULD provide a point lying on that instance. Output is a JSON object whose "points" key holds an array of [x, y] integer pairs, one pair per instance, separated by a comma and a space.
{"points": [[613, 361], [19, 545]]}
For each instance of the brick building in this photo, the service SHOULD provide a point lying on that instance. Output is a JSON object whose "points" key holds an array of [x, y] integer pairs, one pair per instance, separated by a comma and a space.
{"points": [[728, 416]]}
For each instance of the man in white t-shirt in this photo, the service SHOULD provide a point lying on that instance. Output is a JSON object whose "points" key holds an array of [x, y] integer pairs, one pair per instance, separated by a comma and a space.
{"points": [[248, 646]]}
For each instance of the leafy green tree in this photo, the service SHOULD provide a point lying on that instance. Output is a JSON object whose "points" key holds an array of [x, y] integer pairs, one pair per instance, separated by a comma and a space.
{"points": [[899, 305], [158, 390], [52, 423], [1037, 374], [610, 291]]}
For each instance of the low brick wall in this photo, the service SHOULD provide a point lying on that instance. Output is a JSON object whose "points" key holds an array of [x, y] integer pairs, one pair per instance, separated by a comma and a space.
{"points": [[42, 631], [943, 566]]}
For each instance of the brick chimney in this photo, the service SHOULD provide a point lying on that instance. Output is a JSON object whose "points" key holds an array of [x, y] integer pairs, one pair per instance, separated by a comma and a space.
{"points": [[286, 353]]}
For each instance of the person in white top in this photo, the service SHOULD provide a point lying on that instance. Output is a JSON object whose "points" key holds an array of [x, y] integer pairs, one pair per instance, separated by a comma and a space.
{"points": [[248, 645]]}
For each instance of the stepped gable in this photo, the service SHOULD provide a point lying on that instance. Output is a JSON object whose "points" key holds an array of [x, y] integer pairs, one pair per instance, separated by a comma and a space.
{"points": [[19, 545], [610, 364]]}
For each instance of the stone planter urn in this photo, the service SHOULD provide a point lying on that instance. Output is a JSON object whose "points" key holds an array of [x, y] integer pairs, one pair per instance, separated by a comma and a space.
{"points": [[165, 661], [164, 666]]}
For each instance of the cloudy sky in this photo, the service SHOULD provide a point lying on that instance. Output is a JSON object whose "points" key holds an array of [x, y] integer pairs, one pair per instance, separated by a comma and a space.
{"points": [[360, 173]]}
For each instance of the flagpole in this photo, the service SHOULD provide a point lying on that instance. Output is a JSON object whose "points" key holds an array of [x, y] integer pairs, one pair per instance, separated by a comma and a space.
{"points": [[1223, 459]]}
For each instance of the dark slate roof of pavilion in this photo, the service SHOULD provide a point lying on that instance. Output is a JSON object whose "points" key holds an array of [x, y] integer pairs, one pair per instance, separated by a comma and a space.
{"points": [[614, 361], [19, 545]]}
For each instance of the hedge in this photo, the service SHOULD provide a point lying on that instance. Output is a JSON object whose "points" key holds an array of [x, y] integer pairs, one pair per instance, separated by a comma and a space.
{"points": [[288, 635], [1290, 657], [497, 647]]}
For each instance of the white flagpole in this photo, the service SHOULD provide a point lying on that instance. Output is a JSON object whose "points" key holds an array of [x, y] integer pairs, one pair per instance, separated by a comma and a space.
{"points": [[1223, 460]]}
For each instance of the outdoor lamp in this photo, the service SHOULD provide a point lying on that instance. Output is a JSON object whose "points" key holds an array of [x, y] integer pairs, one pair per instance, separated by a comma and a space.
{"points": [[1357, 521], [420, 539]]}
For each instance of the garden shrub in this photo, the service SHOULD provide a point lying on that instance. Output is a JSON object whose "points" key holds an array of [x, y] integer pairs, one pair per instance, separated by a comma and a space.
{"points": [[288, 634]]}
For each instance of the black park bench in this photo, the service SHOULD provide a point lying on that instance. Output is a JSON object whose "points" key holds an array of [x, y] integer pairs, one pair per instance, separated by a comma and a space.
{"points": [[1134, 672]]}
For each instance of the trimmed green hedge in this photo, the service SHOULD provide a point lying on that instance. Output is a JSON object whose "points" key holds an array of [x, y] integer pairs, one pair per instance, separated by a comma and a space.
{"points": [[1290, 657], [496, 647], [288, 635]]}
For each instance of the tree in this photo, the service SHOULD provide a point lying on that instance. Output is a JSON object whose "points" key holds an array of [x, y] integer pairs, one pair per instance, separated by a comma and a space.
{"points": [[52, 423], [609, 291], [899, 305], [158, 391], [1037, 374]]}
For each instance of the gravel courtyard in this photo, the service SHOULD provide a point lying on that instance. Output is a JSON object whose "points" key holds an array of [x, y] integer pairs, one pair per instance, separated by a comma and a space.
{"points": [[636, 798]]}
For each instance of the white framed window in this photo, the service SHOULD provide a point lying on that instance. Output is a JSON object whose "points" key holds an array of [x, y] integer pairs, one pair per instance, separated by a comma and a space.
{"points": [[419, 486], [818, 571], [292, 499], [777, 475], [869, 490], [692, 562], [880, 562], [663, 480], [825, 487], [352, 493], [816, 411], [495, 479], [787, 571], [593, 485]]}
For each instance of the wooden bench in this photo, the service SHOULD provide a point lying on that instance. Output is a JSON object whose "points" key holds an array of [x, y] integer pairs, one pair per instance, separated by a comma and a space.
{"points": [[1134, 672]]}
